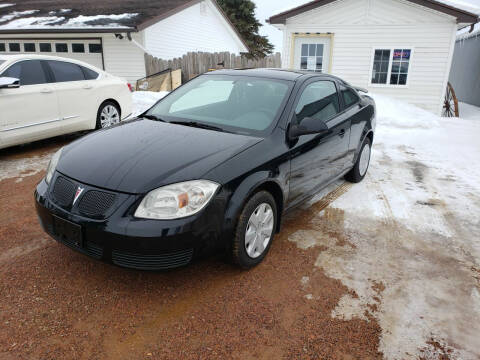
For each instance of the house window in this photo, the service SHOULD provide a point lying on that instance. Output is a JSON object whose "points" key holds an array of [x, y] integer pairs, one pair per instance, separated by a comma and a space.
{"points": [[2, 47], [29, 47], [14, 47], [391, 66], [95, 48], [400, 65], [78, 48], [312, 57], [45, 47], [61, 48]]}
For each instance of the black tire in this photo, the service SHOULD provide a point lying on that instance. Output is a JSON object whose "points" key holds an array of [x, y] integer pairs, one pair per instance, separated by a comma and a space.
{"points": [[239, 253], [103, 106], [354, 175]]}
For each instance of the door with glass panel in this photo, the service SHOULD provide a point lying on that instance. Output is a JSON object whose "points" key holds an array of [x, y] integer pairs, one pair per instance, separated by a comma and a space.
{"points": [[312, 53]]}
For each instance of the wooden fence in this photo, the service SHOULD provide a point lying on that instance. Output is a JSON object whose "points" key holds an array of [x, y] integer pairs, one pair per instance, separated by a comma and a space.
{"points": [[195, 63]]}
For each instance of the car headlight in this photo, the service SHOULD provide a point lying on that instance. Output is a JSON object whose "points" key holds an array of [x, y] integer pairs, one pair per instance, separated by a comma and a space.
{"points": [[52, 165], [177, 200]]}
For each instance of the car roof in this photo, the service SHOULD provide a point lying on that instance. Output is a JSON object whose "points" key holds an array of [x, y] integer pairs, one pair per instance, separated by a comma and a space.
{"points": [[273, 73], [15, 57]]}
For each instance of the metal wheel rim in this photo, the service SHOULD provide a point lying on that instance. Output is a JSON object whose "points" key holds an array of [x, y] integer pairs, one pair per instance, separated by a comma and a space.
{"points": [[259, 230], [109, 116], [364, 160]]}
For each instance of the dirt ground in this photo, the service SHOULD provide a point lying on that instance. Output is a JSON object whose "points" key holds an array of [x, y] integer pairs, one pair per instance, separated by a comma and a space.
{"points": [[327, 289]]}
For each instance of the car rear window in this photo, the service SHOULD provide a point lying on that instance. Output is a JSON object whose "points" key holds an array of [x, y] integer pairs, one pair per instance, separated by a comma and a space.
{"points": [[65, 71], [29, 72]]}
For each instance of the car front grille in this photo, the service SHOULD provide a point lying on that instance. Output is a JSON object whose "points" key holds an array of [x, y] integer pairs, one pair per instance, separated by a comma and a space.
{"points": [[152, 262], [92, 203], [96, 203], [63, 191]]}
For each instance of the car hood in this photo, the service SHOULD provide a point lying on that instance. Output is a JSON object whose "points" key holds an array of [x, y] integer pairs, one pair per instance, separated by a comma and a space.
{"points": [[141, 155]]}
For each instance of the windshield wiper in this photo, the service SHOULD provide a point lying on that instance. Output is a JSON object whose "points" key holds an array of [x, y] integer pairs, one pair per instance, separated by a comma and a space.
{"points": [[199, 125], [152, 117]]}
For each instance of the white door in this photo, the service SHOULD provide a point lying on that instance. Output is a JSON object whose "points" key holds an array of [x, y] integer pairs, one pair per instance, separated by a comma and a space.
{"points": [[77, 96], [29, 112], [87, 50], [312, 53]]}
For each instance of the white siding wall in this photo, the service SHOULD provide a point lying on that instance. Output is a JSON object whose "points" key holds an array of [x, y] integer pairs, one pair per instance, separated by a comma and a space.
{"points": [[123, 58], [360, 25], [198, 28]]}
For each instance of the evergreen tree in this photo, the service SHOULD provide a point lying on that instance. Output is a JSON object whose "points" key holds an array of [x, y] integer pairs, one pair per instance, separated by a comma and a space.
{"points": [[242, 14]]}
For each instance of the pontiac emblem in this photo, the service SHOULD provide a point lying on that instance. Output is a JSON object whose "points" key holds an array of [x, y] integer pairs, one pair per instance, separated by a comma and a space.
{"points": [[77, 194]]}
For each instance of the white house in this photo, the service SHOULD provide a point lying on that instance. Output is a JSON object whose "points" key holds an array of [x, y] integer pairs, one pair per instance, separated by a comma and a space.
{"points": [[114, 35], [400, 48]]}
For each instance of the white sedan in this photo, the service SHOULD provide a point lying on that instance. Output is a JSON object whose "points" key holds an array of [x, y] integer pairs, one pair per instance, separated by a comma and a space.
{"points": [[45, 96]]}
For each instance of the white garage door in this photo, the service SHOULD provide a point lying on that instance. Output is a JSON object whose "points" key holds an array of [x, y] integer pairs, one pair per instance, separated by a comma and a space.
{"points": [[87, 50]]}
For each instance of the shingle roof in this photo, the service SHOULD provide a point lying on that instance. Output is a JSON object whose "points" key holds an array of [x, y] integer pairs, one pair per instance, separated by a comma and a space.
{"points": [[40, 16]]}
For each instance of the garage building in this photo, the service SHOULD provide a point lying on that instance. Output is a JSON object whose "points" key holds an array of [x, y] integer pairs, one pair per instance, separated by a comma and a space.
{"points": [[115, 35], [399, 48]]}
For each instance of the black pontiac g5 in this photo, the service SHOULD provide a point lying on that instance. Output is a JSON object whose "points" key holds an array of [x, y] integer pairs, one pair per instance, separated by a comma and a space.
{"points": [[212, 166]]}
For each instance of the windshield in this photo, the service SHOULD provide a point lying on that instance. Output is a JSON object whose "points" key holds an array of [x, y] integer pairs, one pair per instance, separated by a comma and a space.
{"points": [[239, 104]]}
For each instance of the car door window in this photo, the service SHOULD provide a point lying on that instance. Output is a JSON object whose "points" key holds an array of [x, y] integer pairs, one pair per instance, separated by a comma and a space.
{"points": [[319, 100], [349, 97], [64, 71], [29, 72]]}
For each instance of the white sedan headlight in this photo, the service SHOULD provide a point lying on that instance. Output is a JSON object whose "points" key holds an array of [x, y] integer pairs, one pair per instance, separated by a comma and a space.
{"points": [[177, 200], [52, 165]]}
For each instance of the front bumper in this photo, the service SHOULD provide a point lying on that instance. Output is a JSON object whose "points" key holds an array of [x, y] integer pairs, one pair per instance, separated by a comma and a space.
{"points": [[124, 240]]}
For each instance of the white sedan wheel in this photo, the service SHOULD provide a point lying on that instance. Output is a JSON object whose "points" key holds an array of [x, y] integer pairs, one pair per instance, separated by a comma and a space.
{"points": [[109, 116]]}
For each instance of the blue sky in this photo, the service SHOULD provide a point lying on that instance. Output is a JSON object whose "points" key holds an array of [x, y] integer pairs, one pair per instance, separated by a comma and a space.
{"points": [[265, 8]]}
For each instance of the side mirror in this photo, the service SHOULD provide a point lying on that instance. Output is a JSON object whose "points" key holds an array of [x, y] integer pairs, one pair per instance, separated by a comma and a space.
{"points": [[307, 126], [9, 83]]}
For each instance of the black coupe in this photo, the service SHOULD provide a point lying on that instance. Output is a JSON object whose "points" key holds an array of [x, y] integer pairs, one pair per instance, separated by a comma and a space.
{"points": [[213, 165]]}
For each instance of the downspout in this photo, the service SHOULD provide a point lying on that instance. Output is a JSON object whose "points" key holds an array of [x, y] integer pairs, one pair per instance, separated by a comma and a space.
{"points": [[136, 43]]}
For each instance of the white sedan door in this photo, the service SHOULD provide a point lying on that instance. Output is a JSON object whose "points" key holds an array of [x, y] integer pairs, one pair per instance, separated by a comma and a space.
{"points": [[30, 112], [77, 96]]}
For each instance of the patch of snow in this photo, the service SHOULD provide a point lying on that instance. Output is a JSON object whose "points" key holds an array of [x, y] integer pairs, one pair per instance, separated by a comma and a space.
{"points": [[81, 21], [143, 100], [412, 226], [15, 14], [469, 112], [6, 5], [23, 167], [402, 115]]}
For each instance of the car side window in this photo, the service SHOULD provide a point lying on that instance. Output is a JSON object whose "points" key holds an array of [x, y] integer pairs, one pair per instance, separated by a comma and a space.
{"points": [[65, 71], [89, 74], [319, 100], [349, 97], [29, 72]]}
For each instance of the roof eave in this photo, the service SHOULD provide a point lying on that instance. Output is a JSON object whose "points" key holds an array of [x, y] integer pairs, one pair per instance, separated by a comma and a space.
{"points": [[68, 30], [462, 16]]}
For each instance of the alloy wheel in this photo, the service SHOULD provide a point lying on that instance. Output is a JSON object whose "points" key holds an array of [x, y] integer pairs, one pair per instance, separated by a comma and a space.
{"points": [[109, 116]]}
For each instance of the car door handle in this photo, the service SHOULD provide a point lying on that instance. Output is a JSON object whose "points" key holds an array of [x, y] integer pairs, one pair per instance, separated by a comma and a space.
{"points": [[87, 87], [46, 91], [341, 133]]}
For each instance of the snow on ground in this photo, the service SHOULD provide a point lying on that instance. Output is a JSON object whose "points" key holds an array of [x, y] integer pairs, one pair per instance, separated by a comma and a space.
{"points": [[468, 111], [5, 5], [412, 253], [143, 100]]}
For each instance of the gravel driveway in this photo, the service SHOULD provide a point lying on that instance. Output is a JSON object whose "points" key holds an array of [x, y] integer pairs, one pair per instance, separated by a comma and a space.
{"points": [[389, 268]]}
